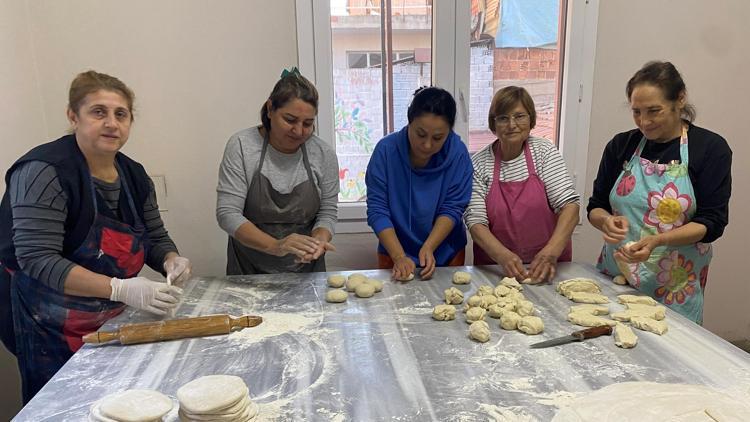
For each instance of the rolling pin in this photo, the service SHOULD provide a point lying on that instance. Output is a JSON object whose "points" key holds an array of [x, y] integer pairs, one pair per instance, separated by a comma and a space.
{"points": [[147, 332]]}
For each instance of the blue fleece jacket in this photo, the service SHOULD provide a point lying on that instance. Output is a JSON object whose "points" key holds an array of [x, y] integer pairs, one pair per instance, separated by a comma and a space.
{"points": [[410, 200]]}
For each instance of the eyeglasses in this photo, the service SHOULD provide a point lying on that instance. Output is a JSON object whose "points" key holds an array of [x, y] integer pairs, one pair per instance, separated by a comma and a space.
{"points": [[520, 119]]}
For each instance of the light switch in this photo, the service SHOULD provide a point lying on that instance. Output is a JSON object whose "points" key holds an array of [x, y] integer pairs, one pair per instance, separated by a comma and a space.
{"points": [[160, 187]]}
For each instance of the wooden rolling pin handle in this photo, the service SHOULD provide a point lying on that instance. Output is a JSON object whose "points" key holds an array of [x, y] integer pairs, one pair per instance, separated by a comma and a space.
{"points": [[100, 337], [244, 322]]}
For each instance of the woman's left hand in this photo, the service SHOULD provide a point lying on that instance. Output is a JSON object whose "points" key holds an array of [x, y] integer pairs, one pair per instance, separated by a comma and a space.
{"points": [[178, 269], [639, 251], [543, 267], [427, 262]]}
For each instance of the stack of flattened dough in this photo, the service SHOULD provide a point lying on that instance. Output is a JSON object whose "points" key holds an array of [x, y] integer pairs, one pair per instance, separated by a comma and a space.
{"points": [[131, 406], [216, 398], [642, 312]]}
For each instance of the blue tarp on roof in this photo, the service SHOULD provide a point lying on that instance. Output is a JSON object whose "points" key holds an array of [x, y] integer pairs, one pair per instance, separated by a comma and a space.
{"points": [[527, 23]]}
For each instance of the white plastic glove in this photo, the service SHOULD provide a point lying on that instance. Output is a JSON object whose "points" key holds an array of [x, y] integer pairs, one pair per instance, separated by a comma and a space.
{"points": [[179, 269], [142, 293]]}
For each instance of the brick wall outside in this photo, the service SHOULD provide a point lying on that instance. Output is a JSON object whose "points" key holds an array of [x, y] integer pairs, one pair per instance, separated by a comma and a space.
{"points": [[525, 63]]}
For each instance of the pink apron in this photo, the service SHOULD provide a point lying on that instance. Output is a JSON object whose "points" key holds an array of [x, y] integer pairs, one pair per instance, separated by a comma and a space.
{"points": [[519, 214]]}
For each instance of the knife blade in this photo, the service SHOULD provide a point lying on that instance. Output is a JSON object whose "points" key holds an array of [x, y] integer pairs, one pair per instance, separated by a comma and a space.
{"points": [[575, 336]]}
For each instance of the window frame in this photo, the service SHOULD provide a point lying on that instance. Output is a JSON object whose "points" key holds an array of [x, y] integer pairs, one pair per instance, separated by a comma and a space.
{"points": [[450, 70]]}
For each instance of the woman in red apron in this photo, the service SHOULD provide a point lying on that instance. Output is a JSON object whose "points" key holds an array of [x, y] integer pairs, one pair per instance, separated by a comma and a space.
{"points": [[665, 187], [84, 206], [523, 206]]}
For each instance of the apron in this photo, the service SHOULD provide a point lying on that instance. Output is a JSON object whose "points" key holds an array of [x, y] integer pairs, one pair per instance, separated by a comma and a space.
{"points": [[657, 198], [519, 214], [278, 215], [48, 324]]}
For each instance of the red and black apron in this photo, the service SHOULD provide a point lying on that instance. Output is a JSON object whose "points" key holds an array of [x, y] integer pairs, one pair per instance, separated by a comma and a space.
{"points": [[48, 324]]}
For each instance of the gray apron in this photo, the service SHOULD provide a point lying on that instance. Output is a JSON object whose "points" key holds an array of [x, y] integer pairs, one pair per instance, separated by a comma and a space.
{"points": [[278, 215]]}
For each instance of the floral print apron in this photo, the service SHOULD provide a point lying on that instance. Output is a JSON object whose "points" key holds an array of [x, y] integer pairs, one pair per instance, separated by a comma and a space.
{"points": [[657, 198]]}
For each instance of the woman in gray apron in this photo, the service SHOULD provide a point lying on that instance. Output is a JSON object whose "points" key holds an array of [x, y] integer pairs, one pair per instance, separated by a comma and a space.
{"points": [[278, 187]]}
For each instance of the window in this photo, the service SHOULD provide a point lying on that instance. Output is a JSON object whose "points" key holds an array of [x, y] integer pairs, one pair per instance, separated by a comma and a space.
{"points": [[368, 57], [515, 42], [370, 98], [360, 59]]}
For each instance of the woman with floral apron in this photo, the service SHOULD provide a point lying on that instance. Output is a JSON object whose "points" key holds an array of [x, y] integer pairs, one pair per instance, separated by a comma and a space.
{"points": [[662, 210], [77, 223]]}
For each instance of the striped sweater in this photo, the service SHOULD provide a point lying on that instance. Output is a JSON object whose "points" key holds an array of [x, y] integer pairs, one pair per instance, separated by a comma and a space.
{"points": [[549, 166]]}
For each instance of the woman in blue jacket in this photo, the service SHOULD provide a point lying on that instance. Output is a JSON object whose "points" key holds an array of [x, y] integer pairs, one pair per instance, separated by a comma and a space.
{"points": [[418, 186]]}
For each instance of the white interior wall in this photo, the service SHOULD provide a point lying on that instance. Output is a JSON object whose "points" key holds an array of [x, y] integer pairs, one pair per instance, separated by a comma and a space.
{"points": [[199, 72], [707, 41], [201, 69]]}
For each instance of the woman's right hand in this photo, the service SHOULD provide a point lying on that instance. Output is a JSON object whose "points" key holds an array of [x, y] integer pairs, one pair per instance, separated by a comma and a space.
{"points": [[403, 268], [512, 265], [296, 244], [615, 228]]}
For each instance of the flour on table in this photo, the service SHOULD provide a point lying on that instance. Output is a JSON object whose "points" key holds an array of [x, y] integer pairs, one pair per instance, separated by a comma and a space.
{"points": [[649, 401], [505, 414], [275, 324]]}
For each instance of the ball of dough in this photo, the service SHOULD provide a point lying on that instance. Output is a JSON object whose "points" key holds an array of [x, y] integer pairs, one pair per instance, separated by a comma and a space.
{"points": [[479, 331], [410, 277], [531, 325], [511, 282], [444, 312], [336, 280], [474, 301], [524, 308], [364, 290], [485, 290], [509, 320], [516, 295], [336, 296], [135, 405], [453, 296], [496, 311], [353, 282], [620, 279], [357, 276], [377, 284], [502, 291], [475, 314], [461, 277], [487, 301], [206, 395]]}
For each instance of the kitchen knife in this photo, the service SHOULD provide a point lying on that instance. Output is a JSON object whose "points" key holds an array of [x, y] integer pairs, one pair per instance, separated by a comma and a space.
{"points": [[576, 336]]}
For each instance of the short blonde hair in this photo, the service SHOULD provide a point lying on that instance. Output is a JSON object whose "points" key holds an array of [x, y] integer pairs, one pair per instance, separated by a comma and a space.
{"points": [[505, 99]]}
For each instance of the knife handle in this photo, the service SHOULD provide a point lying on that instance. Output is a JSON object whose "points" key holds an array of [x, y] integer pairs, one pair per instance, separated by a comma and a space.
{"points": [[602, 330]]}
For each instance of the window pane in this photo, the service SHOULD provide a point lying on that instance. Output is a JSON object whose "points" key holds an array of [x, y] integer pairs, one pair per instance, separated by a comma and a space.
{"points": [[357, 60], [375, 60], [515, 42], [358, 89]]}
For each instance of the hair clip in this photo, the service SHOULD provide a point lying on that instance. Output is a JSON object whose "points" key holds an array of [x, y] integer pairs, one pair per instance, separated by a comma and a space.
{"points": [[290, 72]]}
